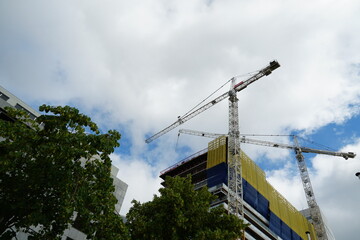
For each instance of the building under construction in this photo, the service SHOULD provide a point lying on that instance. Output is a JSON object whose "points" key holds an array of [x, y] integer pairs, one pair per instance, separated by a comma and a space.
{"points": [[269, 214]]}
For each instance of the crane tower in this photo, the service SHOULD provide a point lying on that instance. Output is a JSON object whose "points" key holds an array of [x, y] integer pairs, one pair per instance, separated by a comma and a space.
{"points": [[235, 194], [315, 213]]}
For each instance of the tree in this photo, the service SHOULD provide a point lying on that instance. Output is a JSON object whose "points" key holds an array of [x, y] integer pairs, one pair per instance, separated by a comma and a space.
{"points": [[54, 167], [181, 213]]}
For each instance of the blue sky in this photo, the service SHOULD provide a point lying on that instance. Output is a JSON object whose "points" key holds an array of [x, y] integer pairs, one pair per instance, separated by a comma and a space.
{"points": [[337, 135], [135, 66]]}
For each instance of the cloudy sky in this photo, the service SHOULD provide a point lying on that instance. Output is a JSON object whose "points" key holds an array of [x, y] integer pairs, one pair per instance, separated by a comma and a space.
{"points": [[135, 66]]}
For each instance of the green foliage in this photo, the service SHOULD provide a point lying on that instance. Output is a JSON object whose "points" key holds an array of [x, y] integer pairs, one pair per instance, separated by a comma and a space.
{"points": [[181, 213], [54, 166]]}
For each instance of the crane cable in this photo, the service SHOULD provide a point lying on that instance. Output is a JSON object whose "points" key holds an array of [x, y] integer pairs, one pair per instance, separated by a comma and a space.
{"points": [[278, 135], [321, 146], [243, 75], [266, 135], [177, 141], [318, 144]]}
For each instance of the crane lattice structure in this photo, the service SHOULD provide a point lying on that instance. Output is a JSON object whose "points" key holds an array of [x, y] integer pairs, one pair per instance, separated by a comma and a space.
{"points": [[235, 194], [315, 212]]}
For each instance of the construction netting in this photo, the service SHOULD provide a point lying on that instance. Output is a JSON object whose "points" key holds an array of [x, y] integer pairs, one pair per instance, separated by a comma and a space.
{"points": [[217, 152], [278, 205], [217, 175], [284, 219]]}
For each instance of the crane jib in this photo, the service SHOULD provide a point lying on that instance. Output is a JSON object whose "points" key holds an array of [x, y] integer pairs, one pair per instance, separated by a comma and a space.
{"points": [[264, 72]]}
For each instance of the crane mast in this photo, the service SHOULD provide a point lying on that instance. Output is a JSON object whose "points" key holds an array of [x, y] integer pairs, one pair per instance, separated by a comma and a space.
{"points": [[235, 195], [309, 193], [315, 213], [235, 192]]}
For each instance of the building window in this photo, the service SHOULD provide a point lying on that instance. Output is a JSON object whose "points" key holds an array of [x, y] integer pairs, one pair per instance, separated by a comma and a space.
{"points": [[4, 116], [3, 96], [18, 106]]}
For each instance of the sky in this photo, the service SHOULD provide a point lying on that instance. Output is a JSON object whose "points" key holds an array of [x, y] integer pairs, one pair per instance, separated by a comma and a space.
{"points": [[134, 66]]}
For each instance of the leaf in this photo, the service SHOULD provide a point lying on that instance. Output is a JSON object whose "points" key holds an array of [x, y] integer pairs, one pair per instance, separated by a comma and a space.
{"points": [[42, 181], [180, 212]]}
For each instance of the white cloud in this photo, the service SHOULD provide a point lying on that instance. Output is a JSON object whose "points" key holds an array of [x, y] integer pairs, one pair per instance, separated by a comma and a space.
{"points": [[335, 187], [142, 179], [140, 64]]}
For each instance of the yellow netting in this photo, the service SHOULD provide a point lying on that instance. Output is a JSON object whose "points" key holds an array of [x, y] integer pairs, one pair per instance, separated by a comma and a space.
{"points": [[289, 214], [255, 176], [312, 231], [216, 152]]}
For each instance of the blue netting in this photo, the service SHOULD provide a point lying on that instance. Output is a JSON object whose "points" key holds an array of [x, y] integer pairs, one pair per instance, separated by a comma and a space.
{"points": [[285, 231], [263, 206], [275, 224], [295, 236], [217, 174], [255, 199], [250, 194]]}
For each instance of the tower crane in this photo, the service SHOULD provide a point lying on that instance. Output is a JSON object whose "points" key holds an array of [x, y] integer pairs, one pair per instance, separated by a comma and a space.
{"points": [[235, 196], [304, 174]]}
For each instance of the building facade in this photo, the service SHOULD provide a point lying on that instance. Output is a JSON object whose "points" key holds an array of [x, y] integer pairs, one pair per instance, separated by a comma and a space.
{"points": [[270, 215], [9, 100]]}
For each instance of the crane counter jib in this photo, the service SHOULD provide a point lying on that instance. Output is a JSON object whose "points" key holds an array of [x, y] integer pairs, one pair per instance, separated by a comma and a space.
{"points": [[236, 88]]}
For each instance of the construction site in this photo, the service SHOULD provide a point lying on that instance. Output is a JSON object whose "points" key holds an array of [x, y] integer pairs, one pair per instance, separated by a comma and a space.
{"points": [[240, 184], [270, 215]]}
